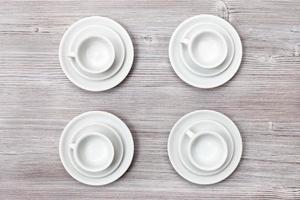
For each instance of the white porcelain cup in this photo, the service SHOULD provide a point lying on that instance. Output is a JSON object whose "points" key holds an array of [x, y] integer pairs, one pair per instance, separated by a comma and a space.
{"points": [[207, 48], [93, 152], [207, 151], [94, 54]]}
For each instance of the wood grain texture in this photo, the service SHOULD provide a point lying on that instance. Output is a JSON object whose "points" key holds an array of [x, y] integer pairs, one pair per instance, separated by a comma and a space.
{"points": [[37, 100]]}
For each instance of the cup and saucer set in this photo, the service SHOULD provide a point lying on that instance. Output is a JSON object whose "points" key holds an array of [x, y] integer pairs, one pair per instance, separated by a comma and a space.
{"points": [[96, 54], [205, 51]]}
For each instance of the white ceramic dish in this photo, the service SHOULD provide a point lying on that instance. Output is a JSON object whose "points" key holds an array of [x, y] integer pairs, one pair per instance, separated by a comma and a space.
{"points": [[205, 147], [205, 51], [96, 53], [96, 148]]}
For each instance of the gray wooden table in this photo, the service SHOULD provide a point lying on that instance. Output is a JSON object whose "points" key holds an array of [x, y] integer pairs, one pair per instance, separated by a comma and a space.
{"points": [[37, 100]]}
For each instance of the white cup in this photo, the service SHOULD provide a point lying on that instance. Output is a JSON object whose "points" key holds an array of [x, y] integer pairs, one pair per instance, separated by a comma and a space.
{"points": [[207, 151], [94, 54], [93, 152], [207, 48]]}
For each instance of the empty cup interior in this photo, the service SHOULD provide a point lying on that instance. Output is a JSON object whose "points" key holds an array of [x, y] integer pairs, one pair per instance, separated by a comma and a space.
{"points": [[208, 48], [208, 151], [94, 152], [96, 54]]}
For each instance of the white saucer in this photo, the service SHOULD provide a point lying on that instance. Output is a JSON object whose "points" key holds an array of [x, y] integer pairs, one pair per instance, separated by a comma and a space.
{"points": [[202, 122], [206, 76], [106, 43], [96, 148]]}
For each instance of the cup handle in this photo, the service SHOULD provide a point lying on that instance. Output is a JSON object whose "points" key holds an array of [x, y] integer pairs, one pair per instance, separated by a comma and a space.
{"points": [[190, 133], [185, 41], [71, 55], [72, 146]]}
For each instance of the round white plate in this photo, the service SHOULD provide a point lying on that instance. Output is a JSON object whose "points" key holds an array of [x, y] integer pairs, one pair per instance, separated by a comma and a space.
{"points": [[179, 65], [189, 121], [120, 40], [114, 127]]}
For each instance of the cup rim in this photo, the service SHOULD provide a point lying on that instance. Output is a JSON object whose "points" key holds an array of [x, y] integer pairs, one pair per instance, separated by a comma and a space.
{"points": [[224, 154], [76, 55], [75, 148], [224, 43]]}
